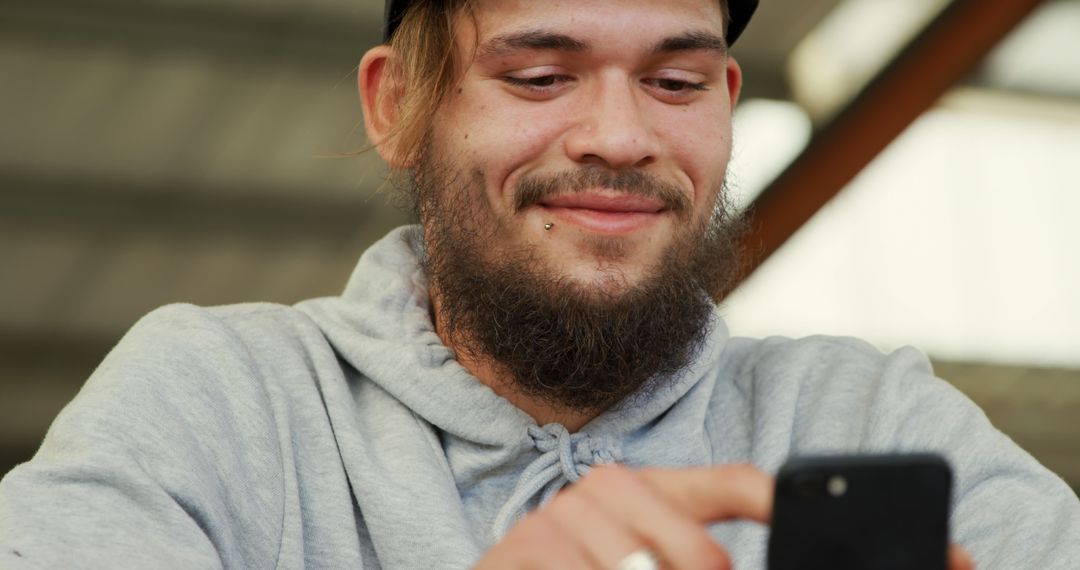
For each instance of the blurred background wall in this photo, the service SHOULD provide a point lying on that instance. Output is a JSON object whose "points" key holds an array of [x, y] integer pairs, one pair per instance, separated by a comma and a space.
{"points": [[160, 151]]}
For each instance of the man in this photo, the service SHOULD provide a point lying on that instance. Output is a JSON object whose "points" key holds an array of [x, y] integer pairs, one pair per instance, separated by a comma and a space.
{"points": [[549, 327]]}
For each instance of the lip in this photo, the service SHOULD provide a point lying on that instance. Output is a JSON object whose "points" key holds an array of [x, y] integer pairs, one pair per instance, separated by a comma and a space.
{"points": [[615, 203], [605, 213]]}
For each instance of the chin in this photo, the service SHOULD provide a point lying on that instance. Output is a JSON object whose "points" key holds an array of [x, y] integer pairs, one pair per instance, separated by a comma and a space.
{"points": [[605, 278]]}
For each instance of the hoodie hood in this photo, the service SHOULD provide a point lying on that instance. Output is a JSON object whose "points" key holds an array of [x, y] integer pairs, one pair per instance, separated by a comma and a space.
{"points": [[500, 462]]}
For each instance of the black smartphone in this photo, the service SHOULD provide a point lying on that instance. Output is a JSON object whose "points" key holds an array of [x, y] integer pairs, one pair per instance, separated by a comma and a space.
{"points": [[866, 512]]}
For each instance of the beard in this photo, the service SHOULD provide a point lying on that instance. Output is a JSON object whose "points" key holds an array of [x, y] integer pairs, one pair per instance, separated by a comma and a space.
{"points": [[580, 347]]}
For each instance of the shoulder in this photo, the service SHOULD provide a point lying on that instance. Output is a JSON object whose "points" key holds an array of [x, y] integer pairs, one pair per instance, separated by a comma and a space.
{"points": [[776, 352], [189, 385], [822, 361], [177, 434], [187, 339], [844, 394], [226, 324], [189, 363]]}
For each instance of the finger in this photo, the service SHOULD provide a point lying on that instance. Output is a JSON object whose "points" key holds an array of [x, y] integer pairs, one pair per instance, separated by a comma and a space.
{"points": [[713, 494], [608, 541], [678, 540], [959, 559], [537, 542]]}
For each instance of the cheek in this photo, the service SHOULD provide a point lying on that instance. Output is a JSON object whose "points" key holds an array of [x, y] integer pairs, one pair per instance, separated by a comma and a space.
{"points": [[508, 140], [505, 140], [701, 145]]}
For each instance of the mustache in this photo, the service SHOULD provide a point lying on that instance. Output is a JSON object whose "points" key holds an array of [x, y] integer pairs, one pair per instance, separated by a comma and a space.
{"points": [[533, 189]]}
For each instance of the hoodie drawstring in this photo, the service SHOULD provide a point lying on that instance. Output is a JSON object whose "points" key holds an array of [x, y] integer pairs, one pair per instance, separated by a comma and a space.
{"points": [[564, 459]]}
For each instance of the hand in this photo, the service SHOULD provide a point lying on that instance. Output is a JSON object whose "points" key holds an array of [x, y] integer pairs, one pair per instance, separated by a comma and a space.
{"points": [[614, 511], [959, 559]]}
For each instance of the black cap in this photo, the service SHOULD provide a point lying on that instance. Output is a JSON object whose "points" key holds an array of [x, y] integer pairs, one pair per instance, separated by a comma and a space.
{"points": [[741, 11]]}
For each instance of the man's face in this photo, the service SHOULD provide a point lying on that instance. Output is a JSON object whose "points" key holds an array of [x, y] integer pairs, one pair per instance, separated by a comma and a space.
{"points": [[568, 191], [593, 134]]}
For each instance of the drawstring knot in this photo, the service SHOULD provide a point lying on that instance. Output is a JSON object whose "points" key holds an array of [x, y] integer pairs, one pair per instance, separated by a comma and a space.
{"points": [[564, 459], [573, 451]]}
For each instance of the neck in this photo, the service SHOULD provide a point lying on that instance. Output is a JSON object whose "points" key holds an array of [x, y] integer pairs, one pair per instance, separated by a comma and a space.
{"points": [[494, 376]]}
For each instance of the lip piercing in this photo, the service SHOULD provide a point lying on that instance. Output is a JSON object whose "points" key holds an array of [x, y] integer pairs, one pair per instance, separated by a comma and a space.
{"points": [[548, 226]]}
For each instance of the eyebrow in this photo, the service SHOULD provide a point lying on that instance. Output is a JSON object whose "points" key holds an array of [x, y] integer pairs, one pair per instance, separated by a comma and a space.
{"points": [[529, 40], [691, 41], [542, 40]]}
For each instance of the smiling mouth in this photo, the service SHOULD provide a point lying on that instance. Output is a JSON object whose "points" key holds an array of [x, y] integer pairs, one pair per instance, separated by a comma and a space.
{"points": [[605, 212]]}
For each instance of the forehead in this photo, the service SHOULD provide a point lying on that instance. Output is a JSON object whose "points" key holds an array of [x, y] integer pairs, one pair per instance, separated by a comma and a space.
{"points": [[621, 20]]}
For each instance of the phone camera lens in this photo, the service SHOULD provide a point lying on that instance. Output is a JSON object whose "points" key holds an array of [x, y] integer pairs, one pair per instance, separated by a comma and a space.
{"points": [[836, 486]]}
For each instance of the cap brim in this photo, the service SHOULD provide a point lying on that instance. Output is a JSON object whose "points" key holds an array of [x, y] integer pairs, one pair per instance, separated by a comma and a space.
{"points": [[740, 11]]}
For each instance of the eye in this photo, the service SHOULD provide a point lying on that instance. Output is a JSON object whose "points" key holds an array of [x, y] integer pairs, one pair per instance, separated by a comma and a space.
{"points": [[677, 85], [537, 84], [542, 81]]}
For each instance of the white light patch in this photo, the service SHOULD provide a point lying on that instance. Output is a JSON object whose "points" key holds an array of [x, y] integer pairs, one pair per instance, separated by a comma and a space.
{"points": [[960, 239], [856, 39], [1043, 55], [768, 136]]}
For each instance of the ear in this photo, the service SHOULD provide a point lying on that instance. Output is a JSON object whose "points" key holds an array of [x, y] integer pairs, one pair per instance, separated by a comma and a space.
{"points": [[380, 94], [734, 80]]}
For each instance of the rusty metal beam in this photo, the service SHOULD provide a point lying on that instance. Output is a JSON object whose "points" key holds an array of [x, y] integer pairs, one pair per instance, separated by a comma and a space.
{"points": [[944, 53]]}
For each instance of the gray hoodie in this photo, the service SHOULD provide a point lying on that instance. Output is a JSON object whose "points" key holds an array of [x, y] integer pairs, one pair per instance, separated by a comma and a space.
{"points": [[341, 433]]}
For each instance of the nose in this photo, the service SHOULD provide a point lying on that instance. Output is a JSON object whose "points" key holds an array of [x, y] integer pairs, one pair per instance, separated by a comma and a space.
{"points": [[614, 130]]}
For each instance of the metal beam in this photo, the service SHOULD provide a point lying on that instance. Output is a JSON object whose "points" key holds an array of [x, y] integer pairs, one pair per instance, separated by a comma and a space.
{"points": [[269, 36], [114, 205], [946, 52]]}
